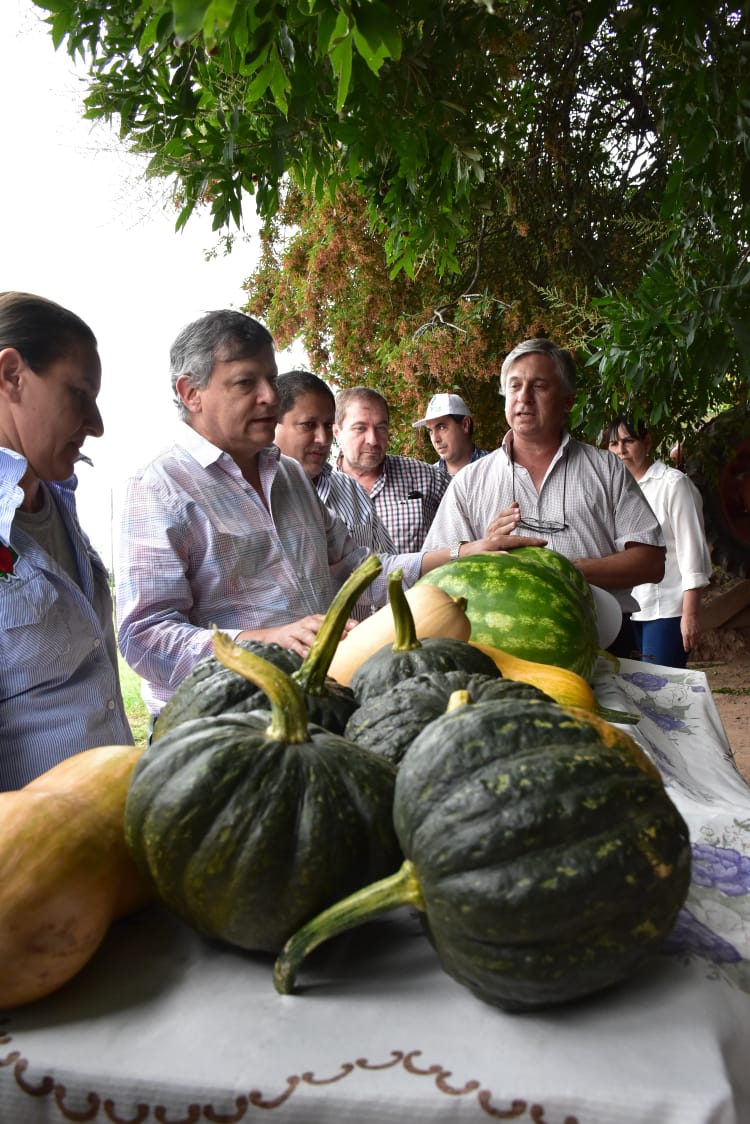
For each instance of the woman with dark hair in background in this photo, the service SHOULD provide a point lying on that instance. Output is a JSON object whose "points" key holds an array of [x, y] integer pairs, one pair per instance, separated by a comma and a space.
{"points": [[59, 685], [667, 625]]}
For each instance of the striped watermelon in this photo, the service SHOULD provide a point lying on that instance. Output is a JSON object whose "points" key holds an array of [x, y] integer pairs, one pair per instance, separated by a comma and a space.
{"points": [[531, 602], [560, 563]]}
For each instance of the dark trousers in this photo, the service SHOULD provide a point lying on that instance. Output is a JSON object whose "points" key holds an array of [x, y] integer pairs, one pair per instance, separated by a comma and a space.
{"points": [[657, 641], [660, 641], [624, 646]]}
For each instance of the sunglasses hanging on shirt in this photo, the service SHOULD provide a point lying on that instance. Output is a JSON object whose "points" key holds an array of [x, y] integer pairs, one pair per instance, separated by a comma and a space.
{"points": [[546, 527]]}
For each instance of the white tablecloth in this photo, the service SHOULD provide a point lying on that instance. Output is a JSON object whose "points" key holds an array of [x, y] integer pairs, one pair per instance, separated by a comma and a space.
{"points": [[163, 1026]]}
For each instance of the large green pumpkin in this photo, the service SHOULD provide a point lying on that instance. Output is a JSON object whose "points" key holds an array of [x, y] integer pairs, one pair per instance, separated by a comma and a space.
{"points": [[249, 824], [541, 848], [387, 724], [530, 602]]}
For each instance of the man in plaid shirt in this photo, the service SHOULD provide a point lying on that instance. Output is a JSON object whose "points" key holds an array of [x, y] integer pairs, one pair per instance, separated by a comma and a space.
{"points": [[404, 492]]}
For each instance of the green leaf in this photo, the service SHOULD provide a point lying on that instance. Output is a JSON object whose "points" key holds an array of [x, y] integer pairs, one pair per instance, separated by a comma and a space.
{"points": [[341, 58], [149, 36], [279, 83], [333, 25], [373, 58], [374, 23], [188, 17]]}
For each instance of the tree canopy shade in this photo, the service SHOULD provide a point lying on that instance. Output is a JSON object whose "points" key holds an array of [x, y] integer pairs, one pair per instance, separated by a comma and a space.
{"points": [[232, 95], [506, 167]]}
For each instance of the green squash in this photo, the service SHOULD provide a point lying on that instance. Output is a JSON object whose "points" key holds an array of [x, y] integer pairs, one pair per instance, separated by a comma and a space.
{"points": [[212, 688], [249, 824], [542, 851], [388, 724], [530, 602], [409, 656]]}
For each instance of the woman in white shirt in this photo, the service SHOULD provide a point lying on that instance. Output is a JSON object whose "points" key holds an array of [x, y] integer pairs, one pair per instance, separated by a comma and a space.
{"points": [[667, 625]]}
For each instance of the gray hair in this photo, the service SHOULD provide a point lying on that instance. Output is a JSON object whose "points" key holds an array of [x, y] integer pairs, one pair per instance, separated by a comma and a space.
{"points": [[221, 335], [565, 364]]}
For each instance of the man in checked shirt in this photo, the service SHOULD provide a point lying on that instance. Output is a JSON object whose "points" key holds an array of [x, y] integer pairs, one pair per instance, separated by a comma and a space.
{"points": [[404, 492]]}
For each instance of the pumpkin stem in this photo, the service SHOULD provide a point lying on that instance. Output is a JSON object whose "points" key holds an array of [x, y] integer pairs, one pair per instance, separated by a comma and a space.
{"points": [[403, 618], [457, 700], [624, 717], [312, 674], [288, 709], [401, 888], [611, 657]]}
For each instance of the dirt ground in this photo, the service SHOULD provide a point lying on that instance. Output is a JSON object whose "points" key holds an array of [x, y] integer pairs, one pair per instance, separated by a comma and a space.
{"points": [[728, 675]]}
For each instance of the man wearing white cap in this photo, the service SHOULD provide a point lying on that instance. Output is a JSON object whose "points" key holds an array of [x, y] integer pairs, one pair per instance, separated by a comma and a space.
{"points": [[450, 426]]}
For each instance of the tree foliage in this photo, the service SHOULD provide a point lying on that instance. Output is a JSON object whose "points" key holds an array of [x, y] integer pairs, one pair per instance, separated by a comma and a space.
{"points": [[231, 96], [440, 178]]}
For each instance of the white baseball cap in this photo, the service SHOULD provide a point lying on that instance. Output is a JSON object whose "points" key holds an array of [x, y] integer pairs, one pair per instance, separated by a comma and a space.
{"points": [[442, 404]]}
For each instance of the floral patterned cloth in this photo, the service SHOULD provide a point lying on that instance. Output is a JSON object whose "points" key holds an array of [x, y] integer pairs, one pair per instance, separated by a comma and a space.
{"points": [[681, 731]]}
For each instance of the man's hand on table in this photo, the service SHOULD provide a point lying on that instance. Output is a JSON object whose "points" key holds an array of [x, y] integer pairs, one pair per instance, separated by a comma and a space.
{"points": [[298, 636]]}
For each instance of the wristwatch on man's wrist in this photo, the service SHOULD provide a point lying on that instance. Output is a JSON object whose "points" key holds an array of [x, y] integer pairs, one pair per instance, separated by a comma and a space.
{"points": [[456, 549]]}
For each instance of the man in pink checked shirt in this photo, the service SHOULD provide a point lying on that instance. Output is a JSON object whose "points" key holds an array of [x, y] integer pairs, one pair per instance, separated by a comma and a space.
{"points": [[220, 529]]}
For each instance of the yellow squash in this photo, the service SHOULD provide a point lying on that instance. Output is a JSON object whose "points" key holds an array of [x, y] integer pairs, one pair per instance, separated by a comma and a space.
{"points": [[566, 687], [65, 872]]}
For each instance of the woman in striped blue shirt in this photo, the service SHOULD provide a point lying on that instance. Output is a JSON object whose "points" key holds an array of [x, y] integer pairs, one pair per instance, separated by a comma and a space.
{"points": [[59, 686]]}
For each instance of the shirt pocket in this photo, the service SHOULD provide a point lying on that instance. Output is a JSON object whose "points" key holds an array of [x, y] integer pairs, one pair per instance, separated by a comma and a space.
{"points": [[36, 638], [411, 522]]}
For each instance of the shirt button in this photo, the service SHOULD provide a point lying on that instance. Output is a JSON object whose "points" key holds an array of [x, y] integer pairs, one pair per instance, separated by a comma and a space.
{"points": [[110, 704], [97, 643]]}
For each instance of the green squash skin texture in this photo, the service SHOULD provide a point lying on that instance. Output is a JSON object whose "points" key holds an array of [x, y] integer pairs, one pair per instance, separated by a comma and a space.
{"points": [[389, 724], [525, 606], [386, 668], [332, 709], [550, 865], [211, 688], [246, 837]]}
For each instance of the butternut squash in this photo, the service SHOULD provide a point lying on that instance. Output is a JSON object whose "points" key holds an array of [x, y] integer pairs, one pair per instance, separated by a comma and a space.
{"points": [[100, 777], [564, 686], [65, 872], [57, 893], [435, 612]]}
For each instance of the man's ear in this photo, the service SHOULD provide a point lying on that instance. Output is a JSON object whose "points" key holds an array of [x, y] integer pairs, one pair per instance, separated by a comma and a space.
{"points": [[189, 395], [11, 367], [336, 430]]}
